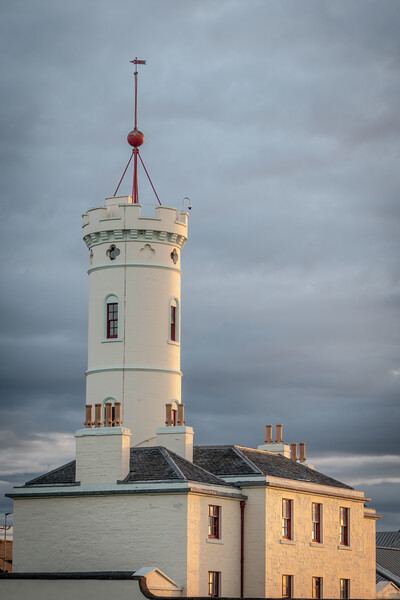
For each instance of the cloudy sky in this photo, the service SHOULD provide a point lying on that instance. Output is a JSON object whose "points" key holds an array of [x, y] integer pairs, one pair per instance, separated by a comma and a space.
{"points": [[280, 120]]}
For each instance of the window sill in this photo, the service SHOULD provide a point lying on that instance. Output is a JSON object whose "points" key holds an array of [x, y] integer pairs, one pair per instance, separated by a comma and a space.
{"points": [[340, 547], [290, 542], [108, 341], [173, 343], [317, 545], [214, 541]]}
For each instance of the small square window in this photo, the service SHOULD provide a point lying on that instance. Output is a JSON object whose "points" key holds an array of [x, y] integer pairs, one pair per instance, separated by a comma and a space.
{"points": [[214, 583]]}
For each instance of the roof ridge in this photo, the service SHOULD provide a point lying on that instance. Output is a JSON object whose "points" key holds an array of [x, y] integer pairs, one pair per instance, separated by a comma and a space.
{"points": [[171, 461], [247, 460]]}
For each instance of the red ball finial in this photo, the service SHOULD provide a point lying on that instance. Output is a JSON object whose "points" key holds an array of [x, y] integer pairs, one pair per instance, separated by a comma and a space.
{"points": [[135, 138]]}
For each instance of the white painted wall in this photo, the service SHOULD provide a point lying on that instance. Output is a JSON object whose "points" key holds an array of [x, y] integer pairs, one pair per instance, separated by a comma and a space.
{"points": [[142, 368]]}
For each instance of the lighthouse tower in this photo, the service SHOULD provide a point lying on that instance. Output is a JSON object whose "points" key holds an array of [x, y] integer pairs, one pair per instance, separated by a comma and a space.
{"points": [[134, 311]]}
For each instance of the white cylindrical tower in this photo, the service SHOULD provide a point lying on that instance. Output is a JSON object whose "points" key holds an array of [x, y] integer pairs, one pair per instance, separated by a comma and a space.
{"points": [[134, 312]]}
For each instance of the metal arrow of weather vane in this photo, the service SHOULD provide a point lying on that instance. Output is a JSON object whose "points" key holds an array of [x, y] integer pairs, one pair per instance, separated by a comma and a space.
{"points": [[135, 139]]}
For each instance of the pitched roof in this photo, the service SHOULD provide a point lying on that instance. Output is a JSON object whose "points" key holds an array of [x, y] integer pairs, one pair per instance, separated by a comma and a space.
{"points": [[388, 539], [146, 464], [210, 463], [235, 460]]}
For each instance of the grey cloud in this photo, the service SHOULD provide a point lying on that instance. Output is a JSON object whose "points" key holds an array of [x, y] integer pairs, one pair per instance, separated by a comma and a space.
{"points": [[280, 121]]}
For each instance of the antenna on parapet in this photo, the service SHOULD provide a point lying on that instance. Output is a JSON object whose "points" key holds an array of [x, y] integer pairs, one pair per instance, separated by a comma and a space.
{"points": [[135, 139]]}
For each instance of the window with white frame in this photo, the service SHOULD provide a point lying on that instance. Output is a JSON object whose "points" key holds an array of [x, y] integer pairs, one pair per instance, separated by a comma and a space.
{"points": [[111, 317], [287, 513], [316, 516], [317, 588], [287, 586], [173, 334], [344, 589], [214, 584]]}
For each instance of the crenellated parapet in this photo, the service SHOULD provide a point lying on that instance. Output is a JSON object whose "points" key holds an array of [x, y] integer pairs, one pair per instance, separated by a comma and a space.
{"points": [[120, 220]]}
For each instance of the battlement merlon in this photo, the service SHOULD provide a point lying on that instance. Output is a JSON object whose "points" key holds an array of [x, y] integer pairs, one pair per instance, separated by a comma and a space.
{"points": [[121, 214]]}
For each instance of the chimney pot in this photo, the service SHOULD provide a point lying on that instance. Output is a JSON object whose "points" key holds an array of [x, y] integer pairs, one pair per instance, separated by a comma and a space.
{"points": [[117, 416], [279, 439], [169, 421], [89, 412], [181, 413], [108, 415], [97, 415], [293, 452], [302, 452], [268, 434]]}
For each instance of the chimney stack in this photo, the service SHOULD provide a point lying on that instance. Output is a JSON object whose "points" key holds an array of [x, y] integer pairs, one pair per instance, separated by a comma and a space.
{"points": [[279, 439], [268, 434]]}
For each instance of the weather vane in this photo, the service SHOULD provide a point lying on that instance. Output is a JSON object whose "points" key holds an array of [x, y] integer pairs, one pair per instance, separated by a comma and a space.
{"points": [[135, 139]]}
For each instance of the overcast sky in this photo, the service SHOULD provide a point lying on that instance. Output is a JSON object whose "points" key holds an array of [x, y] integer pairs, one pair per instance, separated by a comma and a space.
{"points": [[280, 120]]}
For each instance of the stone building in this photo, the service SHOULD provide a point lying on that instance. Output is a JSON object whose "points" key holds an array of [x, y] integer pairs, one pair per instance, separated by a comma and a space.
{"points": [[140, 499]]}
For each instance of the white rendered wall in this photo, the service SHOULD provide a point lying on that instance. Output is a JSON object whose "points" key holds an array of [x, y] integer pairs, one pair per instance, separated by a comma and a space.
{"points": [[141, 368], [102, 533], [328, 559], [206, 555]]}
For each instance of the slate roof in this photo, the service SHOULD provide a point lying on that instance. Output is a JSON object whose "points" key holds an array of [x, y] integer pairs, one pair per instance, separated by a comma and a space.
{"points": [[235, 460], [388, 539], [159, 464], [60, 476], [146, 464], [389, 559], [210, 464]]}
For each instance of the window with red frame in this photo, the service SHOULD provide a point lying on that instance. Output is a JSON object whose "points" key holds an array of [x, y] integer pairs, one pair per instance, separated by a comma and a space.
{"points": [[316, 511], [287, 506], [112, 320], [214, 522], [317, 588], [344, 589], [287, 586], [173, 324], [214, 583], [344, 526]]}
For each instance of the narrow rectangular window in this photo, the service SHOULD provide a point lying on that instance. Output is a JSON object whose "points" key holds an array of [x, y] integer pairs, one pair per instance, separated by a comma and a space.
{"points": [[112, 320], [344, 589], [287, 519], [173, 323], [214, 513], [317, 587], [214, 583], [316, 522], [344, 526], [287, 586]]}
